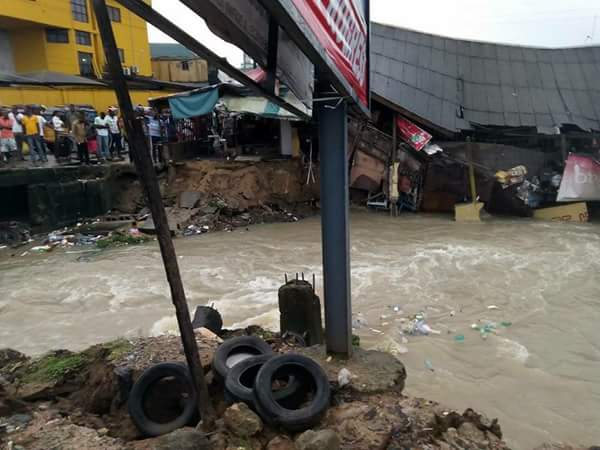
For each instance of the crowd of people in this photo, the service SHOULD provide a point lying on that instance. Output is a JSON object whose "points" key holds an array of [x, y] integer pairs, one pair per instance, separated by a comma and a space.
{"points": [[74, 132]]}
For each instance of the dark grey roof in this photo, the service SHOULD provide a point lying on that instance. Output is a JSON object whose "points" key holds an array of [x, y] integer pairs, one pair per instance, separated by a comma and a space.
{"points": [[12, 78], [170, 51], [58, 79], [454, 83]]}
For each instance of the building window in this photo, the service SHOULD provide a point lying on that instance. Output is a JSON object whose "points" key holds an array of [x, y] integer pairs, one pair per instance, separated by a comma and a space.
{"points": [[114, 13], [57, 35], [86, 66], [185, 65], [121, 55], [83, 38], [79, 10]]}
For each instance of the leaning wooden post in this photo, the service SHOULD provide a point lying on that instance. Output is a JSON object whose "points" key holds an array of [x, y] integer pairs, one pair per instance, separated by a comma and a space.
{"points": [[393, 204], [145, 169]]}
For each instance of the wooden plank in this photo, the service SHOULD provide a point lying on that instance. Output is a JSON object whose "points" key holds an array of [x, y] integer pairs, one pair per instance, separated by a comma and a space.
{"points": [[573, 212], [147, 174]]}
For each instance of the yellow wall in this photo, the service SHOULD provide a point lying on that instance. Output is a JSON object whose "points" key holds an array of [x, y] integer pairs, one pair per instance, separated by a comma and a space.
{"points": [[26, 21], [29, 49], [101, 99], [170, 70]]}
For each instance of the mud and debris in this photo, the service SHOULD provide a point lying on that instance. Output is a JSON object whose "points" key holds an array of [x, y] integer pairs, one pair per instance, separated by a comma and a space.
{"points": [[79, 401], [201, 197]]}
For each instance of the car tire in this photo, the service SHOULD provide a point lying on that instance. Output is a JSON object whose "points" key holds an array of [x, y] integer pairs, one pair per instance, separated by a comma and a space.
{"points": [[251, 345], [239, 384], [299, 417], [135, 402], [209, 318]]}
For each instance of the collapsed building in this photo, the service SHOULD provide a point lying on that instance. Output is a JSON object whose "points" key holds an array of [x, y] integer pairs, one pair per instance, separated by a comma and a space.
{"points": [[526, 108]]}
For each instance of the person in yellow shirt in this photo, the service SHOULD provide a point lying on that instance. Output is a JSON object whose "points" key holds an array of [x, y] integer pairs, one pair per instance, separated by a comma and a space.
{"points": [[31, 127]]}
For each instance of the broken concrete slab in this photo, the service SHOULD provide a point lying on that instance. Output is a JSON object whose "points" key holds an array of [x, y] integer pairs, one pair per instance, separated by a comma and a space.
{"points": [[190, 199], [371, 371], [178, 219]]}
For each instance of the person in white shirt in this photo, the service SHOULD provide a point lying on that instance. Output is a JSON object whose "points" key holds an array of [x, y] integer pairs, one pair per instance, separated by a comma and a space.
{"points": [[116, 144], [42, 123], [57, 123], [16, 117], [101, 126]]}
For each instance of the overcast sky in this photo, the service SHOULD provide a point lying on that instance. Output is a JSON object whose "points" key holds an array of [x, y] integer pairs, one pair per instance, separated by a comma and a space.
{"points": [[546, 23]]}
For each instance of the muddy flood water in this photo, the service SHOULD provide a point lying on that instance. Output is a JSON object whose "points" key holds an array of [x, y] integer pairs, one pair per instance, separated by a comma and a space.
{"points": [[539, 375]]}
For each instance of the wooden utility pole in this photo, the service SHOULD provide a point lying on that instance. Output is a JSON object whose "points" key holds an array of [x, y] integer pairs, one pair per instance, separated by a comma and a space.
{"points": [[393, 206], [145, 168]]}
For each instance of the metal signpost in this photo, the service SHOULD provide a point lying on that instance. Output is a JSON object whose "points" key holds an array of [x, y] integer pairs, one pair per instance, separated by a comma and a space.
{"points": [[332, 38], [334, 34]]}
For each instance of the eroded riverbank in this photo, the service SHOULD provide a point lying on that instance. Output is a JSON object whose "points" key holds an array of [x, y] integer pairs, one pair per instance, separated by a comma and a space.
{"points": [[538, 376]]}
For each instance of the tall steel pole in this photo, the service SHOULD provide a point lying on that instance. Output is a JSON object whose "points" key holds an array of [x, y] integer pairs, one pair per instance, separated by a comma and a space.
{"points": [[147, 174], [335, 228]]}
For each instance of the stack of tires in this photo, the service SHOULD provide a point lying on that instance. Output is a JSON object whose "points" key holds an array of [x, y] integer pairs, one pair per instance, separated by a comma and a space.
{"points": [[289, 391]]}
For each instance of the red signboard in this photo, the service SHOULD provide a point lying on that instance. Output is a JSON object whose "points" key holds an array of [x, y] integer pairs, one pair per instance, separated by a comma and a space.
{"points": [[412, 134], [342, 31]]}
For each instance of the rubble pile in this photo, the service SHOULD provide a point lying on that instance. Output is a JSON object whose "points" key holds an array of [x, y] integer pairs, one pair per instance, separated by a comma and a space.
{"points": [[79, 401]]}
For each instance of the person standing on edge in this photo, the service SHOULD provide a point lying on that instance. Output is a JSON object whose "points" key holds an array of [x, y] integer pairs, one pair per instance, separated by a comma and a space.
{"points": [[57, 123], [154, 129], [16, 116], [101, 125], [31, 125], [7, 137], [42, 121], [79, 132], [116, 145]]}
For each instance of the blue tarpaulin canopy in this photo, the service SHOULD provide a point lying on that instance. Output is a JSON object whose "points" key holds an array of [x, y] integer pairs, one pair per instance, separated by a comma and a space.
{"points": [[202, 101], [193, 105]]}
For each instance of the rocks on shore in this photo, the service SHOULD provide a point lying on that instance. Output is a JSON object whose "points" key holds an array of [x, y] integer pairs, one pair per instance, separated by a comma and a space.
{"points": [[79, 400], [318, 440], [241, 421]]}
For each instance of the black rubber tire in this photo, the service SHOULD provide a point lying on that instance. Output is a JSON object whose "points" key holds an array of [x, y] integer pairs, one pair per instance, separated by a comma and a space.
{"points": [[209, 318], [294, 420], [241, 344], [236, 391], [135, 402]]}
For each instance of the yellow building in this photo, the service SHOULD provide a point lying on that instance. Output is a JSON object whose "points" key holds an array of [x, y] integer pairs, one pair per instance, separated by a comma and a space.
{"points": [[62, 36]]}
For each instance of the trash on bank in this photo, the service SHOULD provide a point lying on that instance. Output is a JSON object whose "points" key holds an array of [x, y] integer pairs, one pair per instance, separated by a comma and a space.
{"points": [[120, 238], [419, 327], [459, 338], [344, 377], [507, 178], [429, 365], [42, 249]]}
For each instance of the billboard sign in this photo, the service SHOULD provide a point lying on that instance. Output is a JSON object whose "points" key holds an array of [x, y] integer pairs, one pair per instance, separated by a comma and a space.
{"points": [[341, 29], [581, 180], [329, 38], [412, 134]]}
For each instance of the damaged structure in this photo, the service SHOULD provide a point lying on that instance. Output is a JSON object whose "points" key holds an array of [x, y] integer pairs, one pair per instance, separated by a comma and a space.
{"points": [[520, 106]]}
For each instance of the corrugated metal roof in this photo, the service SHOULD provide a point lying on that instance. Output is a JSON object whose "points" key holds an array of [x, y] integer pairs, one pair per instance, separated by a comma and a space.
{"points": [[435, 78], [170, 51]]}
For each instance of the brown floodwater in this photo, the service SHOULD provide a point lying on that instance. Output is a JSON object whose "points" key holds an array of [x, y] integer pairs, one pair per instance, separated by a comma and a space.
{"points": [[540, 376]]}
